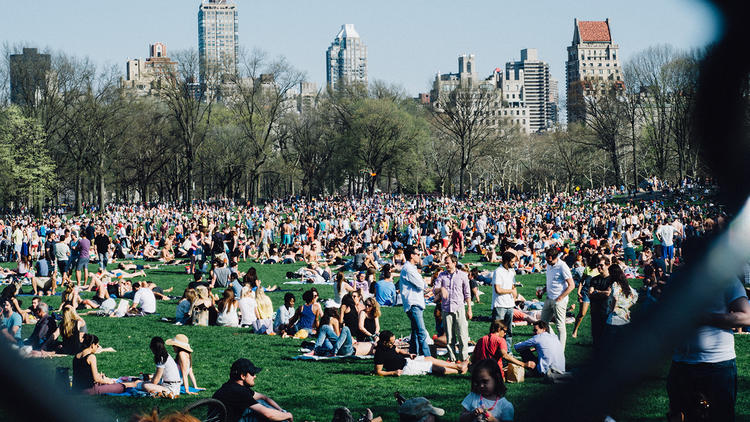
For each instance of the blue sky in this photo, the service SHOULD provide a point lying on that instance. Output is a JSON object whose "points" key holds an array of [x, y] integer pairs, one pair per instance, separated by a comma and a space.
{"points": [[408, 41]]}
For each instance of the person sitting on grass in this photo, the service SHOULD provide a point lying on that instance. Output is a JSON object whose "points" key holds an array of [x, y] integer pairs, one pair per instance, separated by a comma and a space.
{"points": [[390, 361], [143, 300], [335, 340], [242, 403], [182, 312], [184, 358], [227, 308], [86, 376], [284, 314], [550, 356], [418, 409], [493, 346], [487, 401], [166, 380], [308, 315], [45, 330]]}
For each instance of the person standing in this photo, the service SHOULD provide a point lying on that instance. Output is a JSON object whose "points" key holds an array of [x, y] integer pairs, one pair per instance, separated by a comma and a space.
{"points": [[665, 233], [704, 368], [559, 285], [412, 296], [504, 293], [101, 241], [452, 286], [600, 287]]}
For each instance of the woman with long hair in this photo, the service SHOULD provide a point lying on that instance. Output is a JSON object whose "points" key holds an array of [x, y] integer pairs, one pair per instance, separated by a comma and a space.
{"points": [[86, 376], [201, 309], [621, 299], [166, 380], [227, 308], [72, 330], [369, 321], [247, 306], [182, 313], [184, 358], [341, 287], [263, 311]]}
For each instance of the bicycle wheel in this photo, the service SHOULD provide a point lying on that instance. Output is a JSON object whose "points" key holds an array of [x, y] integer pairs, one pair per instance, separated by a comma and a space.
{"points": [[207, 410]]}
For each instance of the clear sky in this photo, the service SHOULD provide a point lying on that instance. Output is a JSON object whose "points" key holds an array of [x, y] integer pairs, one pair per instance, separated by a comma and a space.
{"points": [[408, 40]]}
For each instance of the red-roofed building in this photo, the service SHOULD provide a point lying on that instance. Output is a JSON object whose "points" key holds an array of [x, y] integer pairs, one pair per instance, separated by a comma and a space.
{"points": [[593, 65]]}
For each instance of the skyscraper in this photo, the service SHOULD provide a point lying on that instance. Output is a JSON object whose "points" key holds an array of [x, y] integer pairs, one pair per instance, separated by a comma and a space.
{"points": [[346, 59], [218, 40], [28, 76], [592, 66], [142, 76], [535, 81]]}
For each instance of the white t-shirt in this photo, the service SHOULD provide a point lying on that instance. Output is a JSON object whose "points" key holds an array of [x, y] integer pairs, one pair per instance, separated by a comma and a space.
{"points": [[144, 298], [666, 233], [503, 410], [171, 371], [712, 344], [504, 278], [247, 309], [556, 276]]}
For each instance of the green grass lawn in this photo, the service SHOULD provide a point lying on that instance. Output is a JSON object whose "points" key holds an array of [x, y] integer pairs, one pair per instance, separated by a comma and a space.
{"points": [[311, 390]]}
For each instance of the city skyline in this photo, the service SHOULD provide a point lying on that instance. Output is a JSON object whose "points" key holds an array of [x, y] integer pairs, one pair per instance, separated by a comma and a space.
{"points": [[408, 43]]}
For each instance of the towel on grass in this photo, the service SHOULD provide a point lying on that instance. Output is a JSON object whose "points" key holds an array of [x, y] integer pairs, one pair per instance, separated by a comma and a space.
{"points": [[310, 355], [134, 392]]}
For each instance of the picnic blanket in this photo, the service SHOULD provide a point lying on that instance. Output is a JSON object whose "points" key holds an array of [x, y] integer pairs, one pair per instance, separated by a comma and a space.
{"points": [[330, 283], [308, 354], [134, 392]]}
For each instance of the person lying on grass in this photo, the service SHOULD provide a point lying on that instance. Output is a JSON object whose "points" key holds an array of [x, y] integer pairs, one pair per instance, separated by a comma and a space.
{"points": [[390, 361]]}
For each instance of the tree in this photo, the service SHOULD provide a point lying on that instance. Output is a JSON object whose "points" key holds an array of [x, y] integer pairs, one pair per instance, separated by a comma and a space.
{"points": [[189, 102], [382, 132], [27, 171], [464, 116], [604, 113], [259, 99], [312, 146]]}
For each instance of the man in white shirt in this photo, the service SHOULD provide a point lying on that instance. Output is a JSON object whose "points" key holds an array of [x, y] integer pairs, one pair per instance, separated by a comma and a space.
{"points": [[412, 296], [704, 368], [559, 285], [665, 234], [504, 293], [143, 299]]}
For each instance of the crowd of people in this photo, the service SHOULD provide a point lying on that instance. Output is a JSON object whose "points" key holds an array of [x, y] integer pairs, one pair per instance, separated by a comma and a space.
{"points": [[589, 247]]}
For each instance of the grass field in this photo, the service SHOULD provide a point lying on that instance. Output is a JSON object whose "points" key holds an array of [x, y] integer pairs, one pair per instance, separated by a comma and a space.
{"points": [[311, 390]]}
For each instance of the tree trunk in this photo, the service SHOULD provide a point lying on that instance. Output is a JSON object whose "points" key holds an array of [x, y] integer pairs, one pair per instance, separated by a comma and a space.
{"points": [[78, 194]]}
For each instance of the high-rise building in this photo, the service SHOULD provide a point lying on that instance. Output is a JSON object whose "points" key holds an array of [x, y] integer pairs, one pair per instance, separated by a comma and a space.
{"points": [[28, 76], [346, 59], [218, 39], [593, 65], [553, 104], [530, 77], [142, 76], [508, 104]]}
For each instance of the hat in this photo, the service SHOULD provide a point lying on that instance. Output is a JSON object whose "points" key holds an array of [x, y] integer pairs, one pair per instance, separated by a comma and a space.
{"points": [[181, 341], [419, 407], [243, 366]]}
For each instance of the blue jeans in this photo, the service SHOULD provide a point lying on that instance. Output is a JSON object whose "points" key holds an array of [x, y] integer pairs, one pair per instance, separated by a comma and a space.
{"points": [[249, 416], [329, 342], [102, 260], [716, 382], [506, 316], [418, 342]]}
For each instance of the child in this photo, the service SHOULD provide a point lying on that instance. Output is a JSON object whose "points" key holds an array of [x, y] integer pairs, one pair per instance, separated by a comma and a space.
{"points": [[487, 401]]}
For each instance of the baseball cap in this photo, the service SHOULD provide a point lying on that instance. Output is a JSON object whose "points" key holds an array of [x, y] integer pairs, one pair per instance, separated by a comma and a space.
{"points": [[241, 367], [418, 408]]}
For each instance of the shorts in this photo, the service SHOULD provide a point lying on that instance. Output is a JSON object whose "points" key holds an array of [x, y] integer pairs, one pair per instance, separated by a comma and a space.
{"points": [[62, 266], [417, 366], [667, 252], [172, 386], [82, 264]]}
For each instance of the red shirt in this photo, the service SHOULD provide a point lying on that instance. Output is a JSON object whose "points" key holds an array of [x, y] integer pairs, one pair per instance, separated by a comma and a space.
{"points": [[490, 347]]}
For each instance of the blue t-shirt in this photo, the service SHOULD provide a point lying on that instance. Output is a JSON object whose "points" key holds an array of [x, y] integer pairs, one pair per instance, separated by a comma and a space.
{"points": [[385, 293], [15, 320]]}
